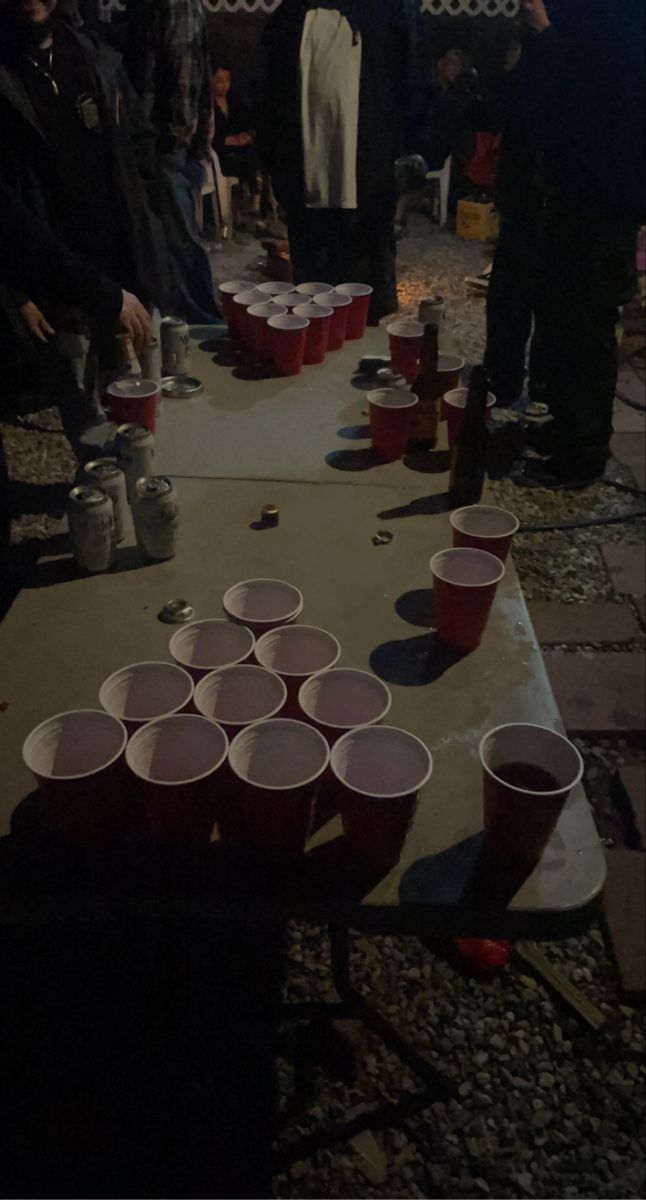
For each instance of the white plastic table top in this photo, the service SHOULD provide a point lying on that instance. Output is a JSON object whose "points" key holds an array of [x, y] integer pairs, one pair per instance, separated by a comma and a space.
{"points": [[310, 427], [58, 643]]}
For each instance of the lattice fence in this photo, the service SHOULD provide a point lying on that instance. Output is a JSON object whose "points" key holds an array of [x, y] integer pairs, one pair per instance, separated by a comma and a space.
{"points": [[456, 8]]}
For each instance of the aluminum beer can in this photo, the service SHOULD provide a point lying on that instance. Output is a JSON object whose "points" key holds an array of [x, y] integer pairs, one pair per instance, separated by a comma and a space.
{"points": [[106, 475], [135, 447], [175, 346], [156, 516], [432, 310], [125, 361], [91, 521], [151, 362]]}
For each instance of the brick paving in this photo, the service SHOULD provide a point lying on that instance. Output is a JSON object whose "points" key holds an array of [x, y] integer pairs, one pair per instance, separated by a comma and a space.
{"points": [[626, 567], [598, 622]]}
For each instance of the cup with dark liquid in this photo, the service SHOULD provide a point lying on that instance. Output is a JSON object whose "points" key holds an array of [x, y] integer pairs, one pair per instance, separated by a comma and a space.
{"points": [[529, 772]]}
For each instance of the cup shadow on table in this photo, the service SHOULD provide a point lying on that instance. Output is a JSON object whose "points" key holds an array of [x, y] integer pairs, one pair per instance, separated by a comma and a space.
{"points": [[417, 607], [352, 460], [428, 462], [413, 662], [354, 433], [466, 875], [422, 506]]}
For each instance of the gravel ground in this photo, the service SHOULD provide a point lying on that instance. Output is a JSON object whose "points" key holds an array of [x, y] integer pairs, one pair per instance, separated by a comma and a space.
{"points": [[545, 1107]]}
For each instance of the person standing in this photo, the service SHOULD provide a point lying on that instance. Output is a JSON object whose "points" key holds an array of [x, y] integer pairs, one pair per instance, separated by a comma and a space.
{"points": [[338, 94], [589, 100], [167, 60]]}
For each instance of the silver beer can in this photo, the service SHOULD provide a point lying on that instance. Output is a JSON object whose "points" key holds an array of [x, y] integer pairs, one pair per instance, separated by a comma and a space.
{"points": [[151, 361], [91, 521], [432, 310], [156, 516], [135, 446], [106, 475], [175, 346]]}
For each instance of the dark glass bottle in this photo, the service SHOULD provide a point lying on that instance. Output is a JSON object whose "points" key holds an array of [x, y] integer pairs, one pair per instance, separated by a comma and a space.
{"points": [[427, 389], [469, 454]]}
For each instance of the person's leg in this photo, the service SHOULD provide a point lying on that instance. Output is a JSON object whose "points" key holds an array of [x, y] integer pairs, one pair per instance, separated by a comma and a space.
{"points": [[193, 281], [371, 249], [509, 311], [313, 243]]}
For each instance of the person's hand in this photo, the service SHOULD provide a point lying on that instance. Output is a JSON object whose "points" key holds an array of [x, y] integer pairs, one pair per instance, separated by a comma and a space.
{"points": [[536, 14], [36, 322], [134, 319], [246, 138]]}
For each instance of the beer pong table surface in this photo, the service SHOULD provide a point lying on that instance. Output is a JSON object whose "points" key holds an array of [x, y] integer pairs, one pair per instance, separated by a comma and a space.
{"points": [[58, 643]]}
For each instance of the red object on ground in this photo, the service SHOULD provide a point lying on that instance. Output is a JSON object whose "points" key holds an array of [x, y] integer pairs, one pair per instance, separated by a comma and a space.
{"points": [[483, 527], [405, 345], [484, 954], [361, 294], [391, 415], [482, 167], [287, 336], [318, 334], [340, 317], [464, 586], [133, 402]]}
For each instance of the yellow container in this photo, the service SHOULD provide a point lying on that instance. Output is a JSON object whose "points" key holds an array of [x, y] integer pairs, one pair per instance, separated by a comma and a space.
{"points": [[477, 220]]}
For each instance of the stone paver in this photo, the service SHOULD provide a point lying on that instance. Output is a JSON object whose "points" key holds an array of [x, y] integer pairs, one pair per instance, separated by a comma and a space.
{"points": [[599, 692], [624, 906], [627, 419], [634, 781], [640, 605], [627, 567], [602, 622], [630, 449]]}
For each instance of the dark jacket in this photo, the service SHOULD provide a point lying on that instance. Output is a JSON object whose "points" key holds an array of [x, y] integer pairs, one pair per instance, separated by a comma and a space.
{"points": [[24, 163], [34, 261], [388, 100]]}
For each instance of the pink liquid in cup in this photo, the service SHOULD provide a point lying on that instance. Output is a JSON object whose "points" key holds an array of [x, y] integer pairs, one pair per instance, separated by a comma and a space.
{"points": [[360, 294], [483, 527], [453, 406], [382, 771], [340, 316], [405, 345], [240, 695], [391, 415], [295, 652], [77, 761], [280, 764], [138, 693], [314, 289], [178, 763], [133, 401], [263, 604], [318, 333], [227, 291], [464, 586], [529, 772], [449, 369], [203, 646], [276, 287], [241, 303], [257, 328], [287, 336], [341, 699]]}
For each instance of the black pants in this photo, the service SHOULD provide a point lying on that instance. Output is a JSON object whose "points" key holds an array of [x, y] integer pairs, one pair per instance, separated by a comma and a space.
{"points": [[587, 270], [341, 246], [510, 309], [5, 506]]}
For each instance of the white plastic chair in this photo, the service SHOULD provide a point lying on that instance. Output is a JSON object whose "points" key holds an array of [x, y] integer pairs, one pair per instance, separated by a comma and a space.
{"points": [[444, 176], [225, 185]]}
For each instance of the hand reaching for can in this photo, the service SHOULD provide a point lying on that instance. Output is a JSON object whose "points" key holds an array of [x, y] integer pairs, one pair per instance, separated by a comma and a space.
{"points": [[134, 319], [36, 321]]}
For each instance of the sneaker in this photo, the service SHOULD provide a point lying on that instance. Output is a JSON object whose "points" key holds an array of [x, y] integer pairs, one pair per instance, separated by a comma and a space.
{"points": [[480, 282], [555, 476]]}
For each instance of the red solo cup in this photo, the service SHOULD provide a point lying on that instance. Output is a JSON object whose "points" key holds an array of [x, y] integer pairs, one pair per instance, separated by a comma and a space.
{"points": [[464, 586], [241, 303], [318, 334], [287, 336], [203, 646], [529, 772], [391, 414], [341, 699], [275, 287], [77, 761], [483, 527], [290, 301], [178, 762], [405, 345], [143, 691], [263, 604], [453, 405], [227, 291], [280, 764], [295, 652], [382, 771], [133, 402], [239, 696], [449, 369], [340, 316], [314, 289], [257, 318], [360, 294]]}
